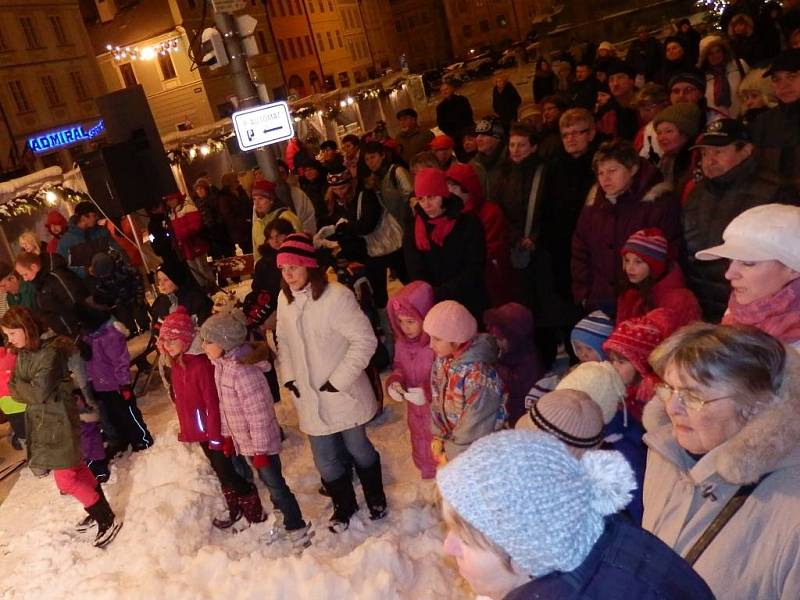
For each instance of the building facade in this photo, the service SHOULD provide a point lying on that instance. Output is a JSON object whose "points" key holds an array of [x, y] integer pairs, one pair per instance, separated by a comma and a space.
{"points": [[48, 79], [421, 33]]}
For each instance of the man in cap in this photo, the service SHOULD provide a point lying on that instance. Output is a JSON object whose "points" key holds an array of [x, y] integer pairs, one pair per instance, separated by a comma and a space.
{"points": [[492, 155], [412, 138], [732, 184], [777, 131], [620, 82], [690, 86], [442, 147]]}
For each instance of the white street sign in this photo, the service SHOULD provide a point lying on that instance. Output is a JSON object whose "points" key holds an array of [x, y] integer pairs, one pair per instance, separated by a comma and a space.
{"points": [[262, 125], [228, 6]]}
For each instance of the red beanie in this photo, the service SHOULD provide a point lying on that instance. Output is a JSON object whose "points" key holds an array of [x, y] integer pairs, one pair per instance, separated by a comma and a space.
{"points": [[297, 250], [55, 218], [442, 142], [636, 338], [177, 325], [262, 187], [431, 182], [651, 246]]}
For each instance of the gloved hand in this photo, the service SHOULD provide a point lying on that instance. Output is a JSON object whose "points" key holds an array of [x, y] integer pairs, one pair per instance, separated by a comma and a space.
{"points": [[260, 461], [289, 385], [437, 450], [227, 447], [126, 392], [396, 391], [328, 387], [415, 395]]}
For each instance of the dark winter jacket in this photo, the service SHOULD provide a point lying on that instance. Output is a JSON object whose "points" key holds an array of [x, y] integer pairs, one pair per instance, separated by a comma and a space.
{"points": [[645, 57], [456, 269], [505, 103], [626, 562], [123, 286], [777, 135], [78, 246], [315, 190], [543, 86], [163, 240], [413, 142], [109, 367], [454, 116], [362, 215], [190, 296], [669, 293], [710, 207], [266, 276], [236, 211], [624, 434], [583, 94], [41, 380], [196, 400], [58, 291], [604, 226], [513, 194], [490, 168], [691, 43]]}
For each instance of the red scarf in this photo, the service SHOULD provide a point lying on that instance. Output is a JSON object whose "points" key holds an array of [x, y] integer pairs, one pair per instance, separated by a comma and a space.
{"points": [[442, 226], [777, 315]]}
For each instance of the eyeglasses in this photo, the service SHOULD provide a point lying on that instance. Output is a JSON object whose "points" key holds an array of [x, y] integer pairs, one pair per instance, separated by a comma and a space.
{"points": [[566, 134], [687, 399]]}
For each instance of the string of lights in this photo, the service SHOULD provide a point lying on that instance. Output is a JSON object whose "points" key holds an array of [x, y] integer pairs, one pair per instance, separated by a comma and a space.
{"points": [[47, 195]]}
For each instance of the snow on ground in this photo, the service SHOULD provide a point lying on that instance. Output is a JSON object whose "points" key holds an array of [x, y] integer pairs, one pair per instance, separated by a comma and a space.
{"points": [[168, 548]]}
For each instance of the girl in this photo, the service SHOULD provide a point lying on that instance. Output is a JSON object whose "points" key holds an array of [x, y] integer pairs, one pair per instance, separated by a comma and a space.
{"points": [[41, 381], [467, 398], [194, 392], [105, 350], [653, 281], [410, 378], [248, 416], [15, 411], [325, 342]]}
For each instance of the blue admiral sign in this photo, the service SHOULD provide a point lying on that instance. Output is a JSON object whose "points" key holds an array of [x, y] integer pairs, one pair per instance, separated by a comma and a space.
{"points": [[63, 138]]}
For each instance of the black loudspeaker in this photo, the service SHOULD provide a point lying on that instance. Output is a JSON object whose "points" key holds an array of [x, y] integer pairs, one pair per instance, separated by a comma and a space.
{"points": [[135, 161]]}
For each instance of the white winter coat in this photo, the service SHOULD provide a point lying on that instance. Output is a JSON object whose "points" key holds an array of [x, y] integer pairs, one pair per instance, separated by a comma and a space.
{"points": [[328, 339]]}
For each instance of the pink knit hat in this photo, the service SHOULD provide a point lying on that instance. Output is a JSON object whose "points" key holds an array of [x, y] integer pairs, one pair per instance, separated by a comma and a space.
{"points": [[297, 250], [636, 338], [262, 187], [177, 325], [431, 182], [451, 322]]}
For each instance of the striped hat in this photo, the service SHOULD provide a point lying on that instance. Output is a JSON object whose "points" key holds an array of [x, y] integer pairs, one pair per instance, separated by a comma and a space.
{"points": [[593, 331], [297, 250], [651, 246]]}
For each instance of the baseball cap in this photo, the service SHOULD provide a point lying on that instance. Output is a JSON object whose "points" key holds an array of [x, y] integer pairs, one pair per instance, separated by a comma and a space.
{"points": [[722, 133]]}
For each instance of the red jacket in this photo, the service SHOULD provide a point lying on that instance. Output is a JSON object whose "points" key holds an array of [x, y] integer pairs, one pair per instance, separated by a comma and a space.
{"points": [[196, 400], [669, 292], [187, 225]]}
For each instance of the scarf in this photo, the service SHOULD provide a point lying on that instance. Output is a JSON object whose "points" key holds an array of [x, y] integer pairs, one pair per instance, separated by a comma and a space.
{"points": [[442, 226], [777, 315], [722, 87]]}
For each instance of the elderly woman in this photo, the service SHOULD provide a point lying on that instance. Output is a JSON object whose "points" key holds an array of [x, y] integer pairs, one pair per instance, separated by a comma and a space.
{"points": [[724, 458], [763, 247]]}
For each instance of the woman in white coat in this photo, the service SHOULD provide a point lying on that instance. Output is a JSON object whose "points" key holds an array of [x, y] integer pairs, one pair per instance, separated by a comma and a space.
{"points": [[325, 342]]}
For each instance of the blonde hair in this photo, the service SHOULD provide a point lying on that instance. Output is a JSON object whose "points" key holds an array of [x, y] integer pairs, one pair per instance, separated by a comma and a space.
{"points": [[472, 537], [576, 116], [31, 238]]}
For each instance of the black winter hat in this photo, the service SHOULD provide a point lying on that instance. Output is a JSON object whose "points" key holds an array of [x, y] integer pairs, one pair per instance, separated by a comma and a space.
{"points": [[177, 272], [788, 60], [620, 66]]}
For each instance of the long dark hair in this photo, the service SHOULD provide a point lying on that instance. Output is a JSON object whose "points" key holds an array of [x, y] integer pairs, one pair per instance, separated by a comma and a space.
{"points": [[282, 226], [316, 279]]}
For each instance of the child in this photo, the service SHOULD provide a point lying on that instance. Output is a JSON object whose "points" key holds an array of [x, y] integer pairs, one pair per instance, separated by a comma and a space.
{"points": [[518, 366], [41, 380], [628, 349], [410, 378], [94, 452], [13, 410], [467, 399], [652, 281], [105, 351], [194, 392], [248, 416], [587, 339]]}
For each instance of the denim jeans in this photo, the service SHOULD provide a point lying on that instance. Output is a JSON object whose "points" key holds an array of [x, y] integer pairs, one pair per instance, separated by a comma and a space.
{"points": [[280, 495], [329, 451]]}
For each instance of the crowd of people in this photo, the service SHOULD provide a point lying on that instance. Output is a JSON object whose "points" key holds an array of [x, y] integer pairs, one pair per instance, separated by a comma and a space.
{"points": [[612, 272]]}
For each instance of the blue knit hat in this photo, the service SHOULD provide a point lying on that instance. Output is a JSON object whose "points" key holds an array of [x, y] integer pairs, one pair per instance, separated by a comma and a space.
{"points": [[564, 499], [593, 330]]}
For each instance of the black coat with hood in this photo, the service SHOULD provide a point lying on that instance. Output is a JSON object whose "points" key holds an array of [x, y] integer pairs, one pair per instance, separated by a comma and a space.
{"points": [[58, 292]]}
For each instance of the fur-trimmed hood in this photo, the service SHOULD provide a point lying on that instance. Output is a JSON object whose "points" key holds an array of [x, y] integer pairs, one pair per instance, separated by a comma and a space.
{"points": [[766, 440]]}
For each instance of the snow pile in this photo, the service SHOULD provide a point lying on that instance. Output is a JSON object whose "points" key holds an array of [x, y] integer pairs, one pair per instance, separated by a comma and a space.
{"points": [[167, 548]]}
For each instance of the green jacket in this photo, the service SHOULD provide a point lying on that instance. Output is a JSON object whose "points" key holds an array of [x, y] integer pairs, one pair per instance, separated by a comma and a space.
{"points": [[26, 296], [41, 380]]}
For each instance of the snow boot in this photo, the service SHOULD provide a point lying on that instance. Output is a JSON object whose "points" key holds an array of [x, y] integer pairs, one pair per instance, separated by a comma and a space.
{"points": [[344, 502], [234, 510], [107, 525], [88, 521], [372, 485], [251, 506]]}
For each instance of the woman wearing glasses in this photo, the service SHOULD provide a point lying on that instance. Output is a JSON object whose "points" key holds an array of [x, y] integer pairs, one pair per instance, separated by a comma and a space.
{"points": [[723, 435]]}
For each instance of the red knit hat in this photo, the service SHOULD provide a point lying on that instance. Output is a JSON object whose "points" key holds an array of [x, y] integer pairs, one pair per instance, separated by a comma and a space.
{"points": [[442, 142], [636, 338], [177, 325], [651, 246], [262, 187], [55, 218], [297, 250], [431, 182]]}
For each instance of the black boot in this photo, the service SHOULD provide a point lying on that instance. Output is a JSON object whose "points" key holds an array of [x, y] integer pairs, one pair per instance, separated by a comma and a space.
{"points": [[372, 485], [234, 510], [344, 502], [88, 521], [251, 506], [107, 524]]}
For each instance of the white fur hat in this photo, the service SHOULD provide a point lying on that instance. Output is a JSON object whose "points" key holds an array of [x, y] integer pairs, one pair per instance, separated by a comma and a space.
{"points": [[601, 382]]}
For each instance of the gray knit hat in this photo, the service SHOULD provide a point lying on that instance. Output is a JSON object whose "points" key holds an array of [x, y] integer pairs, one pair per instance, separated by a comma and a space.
{"points": [[226, 329], [565, 499]]}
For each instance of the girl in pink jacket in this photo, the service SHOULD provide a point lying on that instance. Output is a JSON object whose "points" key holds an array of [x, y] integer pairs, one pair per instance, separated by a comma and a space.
{"points": [[247, 414], [411, 374], [197, 405]]}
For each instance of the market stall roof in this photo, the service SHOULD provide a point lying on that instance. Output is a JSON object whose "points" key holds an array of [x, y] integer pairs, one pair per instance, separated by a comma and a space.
{"points": [[29, 184]]}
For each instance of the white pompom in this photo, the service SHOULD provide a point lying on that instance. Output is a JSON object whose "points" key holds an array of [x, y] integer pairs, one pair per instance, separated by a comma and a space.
{"points": [[612, 480]]}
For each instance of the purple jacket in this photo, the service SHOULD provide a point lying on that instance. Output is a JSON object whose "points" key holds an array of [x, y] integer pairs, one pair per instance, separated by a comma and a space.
{"points": [[92, 441], [519, 365], [109, 367], [603, 227], [247, 413]]}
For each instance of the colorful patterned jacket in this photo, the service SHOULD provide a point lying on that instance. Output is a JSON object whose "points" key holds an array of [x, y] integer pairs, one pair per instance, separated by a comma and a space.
{"points": [[468, 396]]}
